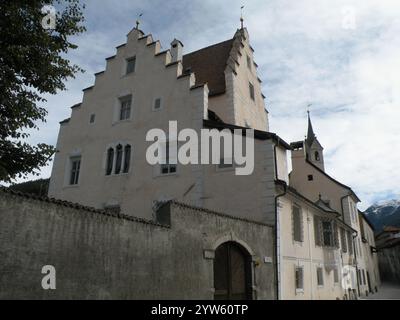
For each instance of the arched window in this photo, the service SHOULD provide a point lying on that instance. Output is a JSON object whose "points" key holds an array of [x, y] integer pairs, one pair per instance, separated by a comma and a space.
{"points": [[317, 158], [110, 161], [127, 158], [118, 163]]}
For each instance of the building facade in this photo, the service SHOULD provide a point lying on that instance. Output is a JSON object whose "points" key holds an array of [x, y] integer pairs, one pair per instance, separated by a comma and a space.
{"points": [[101, 159]]}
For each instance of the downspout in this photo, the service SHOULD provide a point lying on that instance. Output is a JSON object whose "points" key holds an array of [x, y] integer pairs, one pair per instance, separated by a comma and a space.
{"points": [[355, 257], [310, 254], [276, 238], [354, 246]]}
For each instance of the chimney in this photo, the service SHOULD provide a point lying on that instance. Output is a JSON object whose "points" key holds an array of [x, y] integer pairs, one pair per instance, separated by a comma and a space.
{"points": [[176, 50]]}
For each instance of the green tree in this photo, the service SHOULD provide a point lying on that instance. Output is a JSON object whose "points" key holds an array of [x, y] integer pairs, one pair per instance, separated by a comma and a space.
{"points": [[32, 63]]}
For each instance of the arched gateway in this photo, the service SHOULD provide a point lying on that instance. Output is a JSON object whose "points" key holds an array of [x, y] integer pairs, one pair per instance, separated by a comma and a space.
{"points": [[232, 272]]}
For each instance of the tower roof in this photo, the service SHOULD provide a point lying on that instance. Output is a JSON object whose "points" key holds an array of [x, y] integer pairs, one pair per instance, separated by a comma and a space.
{"points": [[310, 132]]}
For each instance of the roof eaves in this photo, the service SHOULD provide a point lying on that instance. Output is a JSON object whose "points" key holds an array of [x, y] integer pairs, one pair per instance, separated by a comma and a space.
{"points": [[334, 180]]}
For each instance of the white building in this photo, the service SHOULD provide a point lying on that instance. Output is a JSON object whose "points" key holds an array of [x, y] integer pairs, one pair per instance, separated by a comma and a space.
{"points": [[100, 160]]}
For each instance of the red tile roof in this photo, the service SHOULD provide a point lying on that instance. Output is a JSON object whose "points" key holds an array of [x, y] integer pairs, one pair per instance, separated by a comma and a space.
{"points": [[209, 65]]}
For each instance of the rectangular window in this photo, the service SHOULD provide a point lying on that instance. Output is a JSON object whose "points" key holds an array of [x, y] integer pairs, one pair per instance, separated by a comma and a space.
{"points": [[299, 279], [317, 231], [167, 168], [125, 108], [157, 104], [297, 224], [248, 62], [320, 276], [327, 233], [130, 65], [335, 275], [251, 89], [343, 240], [92, 118], [75, 168]]}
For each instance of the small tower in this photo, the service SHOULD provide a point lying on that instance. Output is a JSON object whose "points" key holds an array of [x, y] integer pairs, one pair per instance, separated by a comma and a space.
{"points": [[314, 150]]}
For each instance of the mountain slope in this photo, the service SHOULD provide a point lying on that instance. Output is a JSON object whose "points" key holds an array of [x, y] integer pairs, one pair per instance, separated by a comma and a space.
{"points": [[384, 213]]}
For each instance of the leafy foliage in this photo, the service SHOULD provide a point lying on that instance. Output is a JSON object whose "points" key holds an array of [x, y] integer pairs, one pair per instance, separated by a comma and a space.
{"points": [[32, 63]]}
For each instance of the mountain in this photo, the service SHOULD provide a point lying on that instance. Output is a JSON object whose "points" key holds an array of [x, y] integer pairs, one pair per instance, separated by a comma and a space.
{"points": [[384, 213]]}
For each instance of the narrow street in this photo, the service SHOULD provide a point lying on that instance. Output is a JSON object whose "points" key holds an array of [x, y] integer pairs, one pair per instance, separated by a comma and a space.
{"points": [[386, 291]]}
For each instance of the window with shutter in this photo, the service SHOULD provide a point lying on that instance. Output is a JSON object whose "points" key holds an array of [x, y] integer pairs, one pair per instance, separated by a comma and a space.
{"points": [[320, 276], [299, 279], [297, 224], [335, 275], [317, 232], [343, 240]]}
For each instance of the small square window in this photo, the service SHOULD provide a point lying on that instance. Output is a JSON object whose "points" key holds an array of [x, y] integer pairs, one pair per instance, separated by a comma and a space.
{"points": [[157, 104], [251, 89], [310, 177], [130, 65], [92, 118]]}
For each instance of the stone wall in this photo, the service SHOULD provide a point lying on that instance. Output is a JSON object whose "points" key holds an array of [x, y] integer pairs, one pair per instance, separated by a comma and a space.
{"points": [[389, 264], [104, 256]]}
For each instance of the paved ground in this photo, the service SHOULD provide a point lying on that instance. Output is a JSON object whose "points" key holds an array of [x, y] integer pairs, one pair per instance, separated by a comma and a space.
{"points": [[386, 291]]}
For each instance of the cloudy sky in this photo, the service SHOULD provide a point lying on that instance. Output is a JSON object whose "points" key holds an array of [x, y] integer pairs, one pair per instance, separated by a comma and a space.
{"points": [[343, 57]]}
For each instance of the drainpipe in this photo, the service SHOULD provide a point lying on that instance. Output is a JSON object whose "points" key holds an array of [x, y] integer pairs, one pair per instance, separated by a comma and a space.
{"points": [[277, 231], [277, 244], [310, 254], [355, 257]]}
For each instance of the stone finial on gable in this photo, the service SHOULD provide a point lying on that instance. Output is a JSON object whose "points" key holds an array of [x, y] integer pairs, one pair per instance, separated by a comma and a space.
{"points": [[176, 50]]}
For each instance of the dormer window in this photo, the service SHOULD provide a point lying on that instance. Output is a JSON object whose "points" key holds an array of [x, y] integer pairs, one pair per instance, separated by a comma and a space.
{"points": [[316, 155], [130, 65]]}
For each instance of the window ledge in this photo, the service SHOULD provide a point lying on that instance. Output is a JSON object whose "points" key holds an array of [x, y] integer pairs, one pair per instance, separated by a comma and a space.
{"points": [[121, 121], [166, 174], [117, 175], [299, 291]]}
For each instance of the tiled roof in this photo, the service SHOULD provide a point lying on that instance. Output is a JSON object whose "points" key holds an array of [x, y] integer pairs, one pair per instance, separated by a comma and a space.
{"points": [[209, 65]]}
